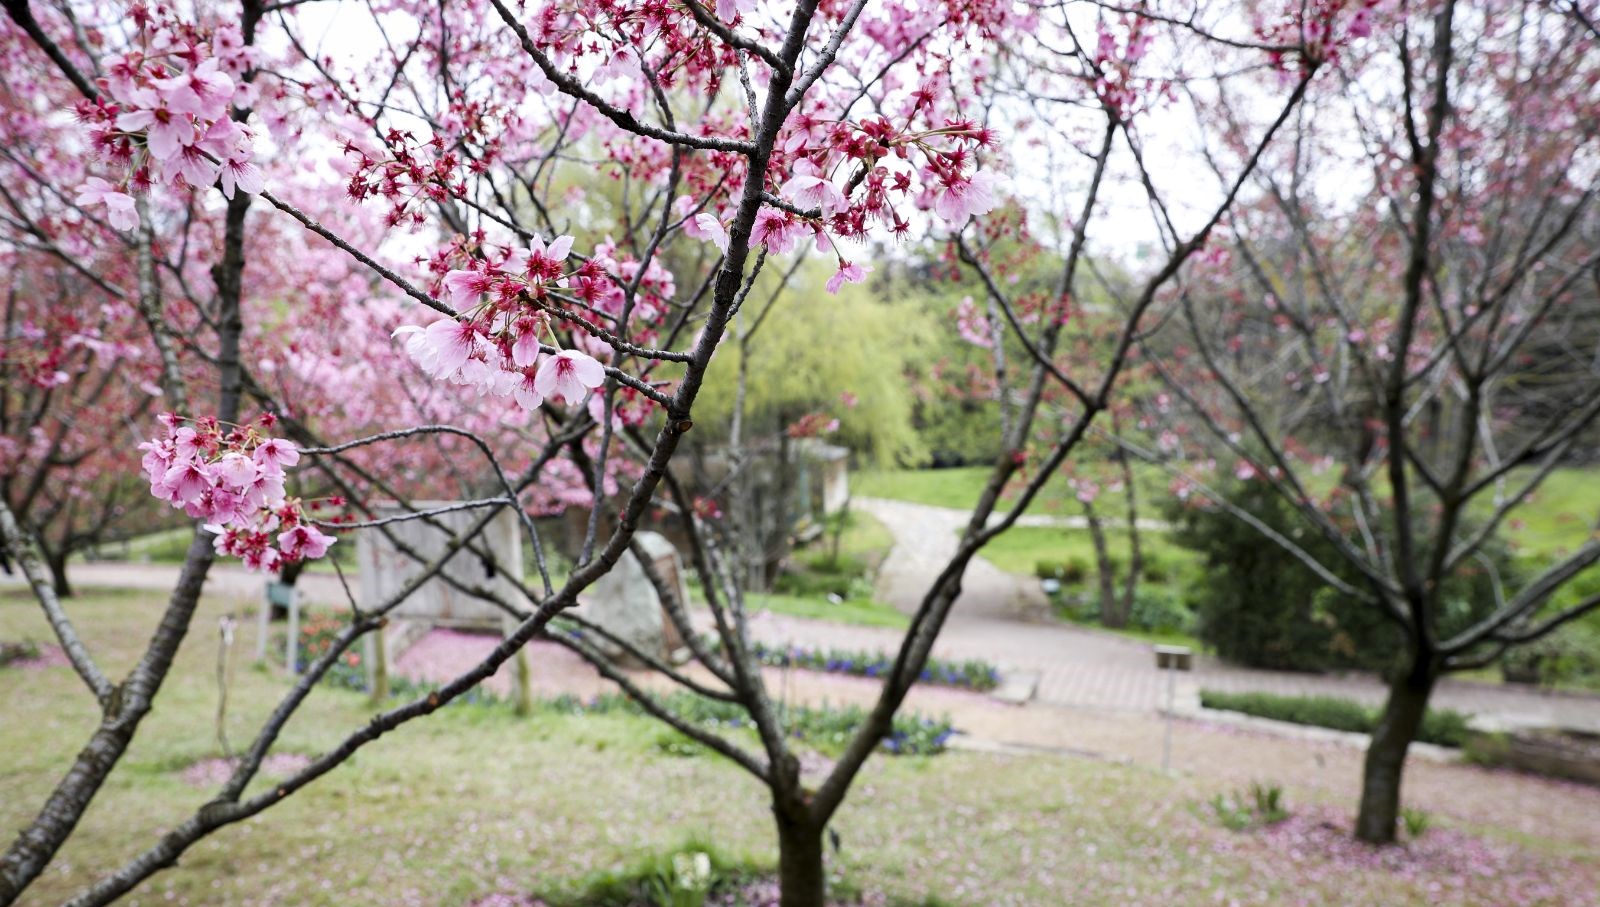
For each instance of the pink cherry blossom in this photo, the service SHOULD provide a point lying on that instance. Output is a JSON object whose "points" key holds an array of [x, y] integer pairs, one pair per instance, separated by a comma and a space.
{"points": [[202, 91], [848, 273], [119, 205], [958, 200], [729, 10], [273, 454], [706, 226], [466, 288], [304, 542], [569, 376], [166, 130], [240, 174], [237, 470], [191, 165], [185, 482], [442, 348], [779, 230], [541, 263], [526, 393], [525, 349], [811, 188]]}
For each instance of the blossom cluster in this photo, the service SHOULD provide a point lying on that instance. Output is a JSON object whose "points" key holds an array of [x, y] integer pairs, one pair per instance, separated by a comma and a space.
{"points": [[1319, 31], [830, 177], [165, 118], [494, 344], [233, 480], [839, 179]]}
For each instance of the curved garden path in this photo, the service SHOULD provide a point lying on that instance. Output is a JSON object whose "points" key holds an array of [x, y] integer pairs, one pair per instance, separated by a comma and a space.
{"points": [[999, 617]]}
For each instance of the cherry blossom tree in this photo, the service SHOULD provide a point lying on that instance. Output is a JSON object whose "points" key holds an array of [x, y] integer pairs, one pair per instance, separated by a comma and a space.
{"points": [[74, 374], [561, 334], [1398, 338]]}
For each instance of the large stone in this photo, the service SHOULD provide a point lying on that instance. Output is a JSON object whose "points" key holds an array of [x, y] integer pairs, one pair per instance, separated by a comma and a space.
{"points": [[626, 604], [385, 569]]}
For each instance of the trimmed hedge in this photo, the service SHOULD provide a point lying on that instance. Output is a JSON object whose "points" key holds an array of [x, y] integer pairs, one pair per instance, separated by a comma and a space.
{"points": [[1441, 726]]}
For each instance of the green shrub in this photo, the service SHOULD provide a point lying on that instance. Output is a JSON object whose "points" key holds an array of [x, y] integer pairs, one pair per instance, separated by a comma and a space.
{"points": [[1258, 605], [1255, 605], [1570, 656], [1159, 611], [1441, 726], [1154, 569]]}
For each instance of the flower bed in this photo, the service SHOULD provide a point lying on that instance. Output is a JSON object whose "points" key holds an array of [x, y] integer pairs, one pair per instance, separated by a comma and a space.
{"points": [[827, 729], [971, 674]]}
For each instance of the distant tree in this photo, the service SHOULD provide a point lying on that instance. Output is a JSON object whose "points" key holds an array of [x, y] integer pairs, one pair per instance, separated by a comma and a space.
{"points": [[1400, 338]]}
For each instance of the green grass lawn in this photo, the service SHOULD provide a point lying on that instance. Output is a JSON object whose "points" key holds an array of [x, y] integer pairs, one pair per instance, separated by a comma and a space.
{"points": [[475, 800], [1021, 548], [1556, 520], [862, 546], [960, 487], [863, 612]]}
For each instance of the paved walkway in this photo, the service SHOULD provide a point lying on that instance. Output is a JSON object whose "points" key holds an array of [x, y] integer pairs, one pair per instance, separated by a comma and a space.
{"points": [[997, 617], [1000, 618]]}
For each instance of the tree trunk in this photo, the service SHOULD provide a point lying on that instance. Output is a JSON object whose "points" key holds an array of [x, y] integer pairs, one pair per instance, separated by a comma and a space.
{"points": [[58, 573], [1110, 614], [1386, 754], [1130, 585], [802, 881]]}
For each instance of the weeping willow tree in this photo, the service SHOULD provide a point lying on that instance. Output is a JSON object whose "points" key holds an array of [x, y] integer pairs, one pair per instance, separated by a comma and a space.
{"points": [[801, 364]]}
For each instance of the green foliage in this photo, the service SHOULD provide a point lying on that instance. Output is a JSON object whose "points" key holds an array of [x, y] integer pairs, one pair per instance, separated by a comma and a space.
{"points": [[1256, 606], [682, 877], [1269, 802], [1261, 805], [1568, 657], [1230, 814], [1068, 572], [810, 350], [820, 570], [820, 574], [26, 650], [1159, 610], [1415, 821], [687, 885], [1264, 607], [1441, 726]]}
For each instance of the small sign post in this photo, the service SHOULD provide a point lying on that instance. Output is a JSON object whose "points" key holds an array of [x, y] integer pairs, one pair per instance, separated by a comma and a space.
{"points": [[1172, 659]]}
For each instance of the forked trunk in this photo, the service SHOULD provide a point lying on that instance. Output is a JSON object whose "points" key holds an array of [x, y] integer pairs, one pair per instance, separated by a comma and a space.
{"points": [[1386, 754]]}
